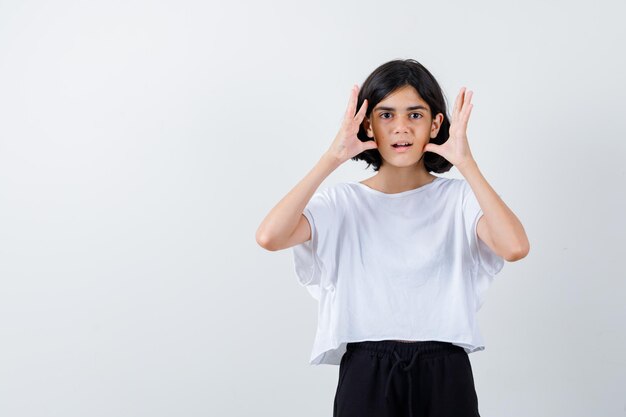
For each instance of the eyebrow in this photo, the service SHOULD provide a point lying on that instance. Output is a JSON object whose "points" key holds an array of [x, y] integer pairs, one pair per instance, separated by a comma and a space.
{"points": [[419, 107]]}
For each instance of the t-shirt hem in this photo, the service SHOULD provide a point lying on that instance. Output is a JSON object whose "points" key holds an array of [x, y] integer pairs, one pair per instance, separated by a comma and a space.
{"points": [[332, 355]]}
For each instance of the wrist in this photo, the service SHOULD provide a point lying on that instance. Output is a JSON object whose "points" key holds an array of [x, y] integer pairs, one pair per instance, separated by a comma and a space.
{"points": [[467, 164], [329, 160]]}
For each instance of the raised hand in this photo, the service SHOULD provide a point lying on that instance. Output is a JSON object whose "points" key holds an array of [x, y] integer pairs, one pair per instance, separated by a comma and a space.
{"points": [[456, 149], [346, 144]]}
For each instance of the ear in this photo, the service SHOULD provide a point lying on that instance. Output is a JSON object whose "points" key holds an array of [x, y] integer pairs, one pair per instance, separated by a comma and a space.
{"points": [[367, 126], [436, 125]]}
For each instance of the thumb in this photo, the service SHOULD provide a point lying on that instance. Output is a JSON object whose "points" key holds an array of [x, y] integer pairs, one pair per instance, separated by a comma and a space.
{"points": [[370, 144], [431, 147]]}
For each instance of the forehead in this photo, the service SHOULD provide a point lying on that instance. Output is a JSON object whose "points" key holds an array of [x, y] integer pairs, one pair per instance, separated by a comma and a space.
{"points": [[402, 98]]}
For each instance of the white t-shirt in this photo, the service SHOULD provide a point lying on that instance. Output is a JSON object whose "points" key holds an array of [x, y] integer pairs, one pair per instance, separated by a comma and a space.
{"points": [[403, 266]]}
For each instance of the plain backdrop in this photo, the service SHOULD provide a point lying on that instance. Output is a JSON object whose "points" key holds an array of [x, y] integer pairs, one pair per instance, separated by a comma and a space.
{"points": [[143, 142]]}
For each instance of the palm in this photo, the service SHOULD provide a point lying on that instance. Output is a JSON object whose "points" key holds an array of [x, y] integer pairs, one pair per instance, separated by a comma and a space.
{"points": [[353, 144], [456, 148], [347, 144]]}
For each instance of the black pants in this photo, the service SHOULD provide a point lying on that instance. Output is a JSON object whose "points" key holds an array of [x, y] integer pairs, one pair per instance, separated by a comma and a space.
{"points": [[397, 379]]}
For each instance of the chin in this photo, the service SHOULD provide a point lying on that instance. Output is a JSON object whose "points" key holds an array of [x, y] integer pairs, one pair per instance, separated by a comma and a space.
{"points": [[405, 162]]}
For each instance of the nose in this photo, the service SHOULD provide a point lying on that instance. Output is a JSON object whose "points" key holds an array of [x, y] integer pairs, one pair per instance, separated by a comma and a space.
{"points": [[401, 126]]}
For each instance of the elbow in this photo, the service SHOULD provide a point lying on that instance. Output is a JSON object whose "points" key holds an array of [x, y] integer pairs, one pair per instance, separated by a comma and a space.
{"points": [[520, 252], [265, 241], [261, 238]]}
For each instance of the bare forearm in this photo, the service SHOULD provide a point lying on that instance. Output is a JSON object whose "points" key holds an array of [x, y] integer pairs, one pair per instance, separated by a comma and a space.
{"points": [[283, 218], [282, 221], [505, 229]]}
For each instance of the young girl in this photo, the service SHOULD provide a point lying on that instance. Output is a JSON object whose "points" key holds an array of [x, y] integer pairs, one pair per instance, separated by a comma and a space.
{"points": [[401, 261]]}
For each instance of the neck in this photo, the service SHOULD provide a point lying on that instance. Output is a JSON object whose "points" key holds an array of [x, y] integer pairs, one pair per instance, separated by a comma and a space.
{"points": [[393, 179]]}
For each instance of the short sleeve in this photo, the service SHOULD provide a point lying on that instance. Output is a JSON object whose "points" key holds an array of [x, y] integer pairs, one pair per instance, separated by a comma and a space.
{"points": [[487, 263], [311, 257]]}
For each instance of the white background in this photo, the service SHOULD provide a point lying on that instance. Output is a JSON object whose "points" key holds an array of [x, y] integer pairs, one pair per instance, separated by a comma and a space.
{"points": [[142, 143]]}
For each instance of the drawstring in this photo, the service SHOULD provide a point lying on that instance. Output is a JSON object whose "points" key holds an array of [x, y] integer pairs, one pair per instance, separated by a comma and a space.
{"points": [[406, 369]]}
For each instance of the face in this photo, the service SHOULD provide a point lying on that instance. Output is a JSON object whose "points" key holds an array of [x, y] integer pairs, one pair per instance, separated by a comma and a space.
{"points": [[403, 116]]}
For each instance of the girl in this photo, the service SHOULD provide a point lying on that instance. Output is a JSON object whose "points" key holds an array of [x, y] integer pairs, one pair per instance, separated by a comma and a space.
{"points": [[400, 262]]}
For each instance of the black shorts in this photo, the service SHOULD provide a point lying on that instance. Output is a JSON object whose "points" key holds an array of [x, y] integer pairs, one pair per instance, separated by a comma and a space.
{"points": [[398, 379]]}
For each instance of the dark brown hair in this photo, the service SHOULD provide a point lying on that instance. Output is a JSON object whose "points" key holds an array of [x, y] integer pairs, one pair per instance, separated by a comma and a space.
{"points": [[386, 79]]}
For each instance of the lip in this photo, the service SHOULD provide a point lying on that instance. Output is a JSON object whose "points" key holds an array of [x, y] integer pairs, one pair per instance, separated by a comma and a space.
{"points": [[402, 149]]}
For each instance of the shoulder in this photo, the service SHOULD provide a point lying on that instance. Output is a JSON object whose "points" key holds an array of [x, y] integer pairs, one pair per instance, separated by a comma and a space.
{"points": [[331, 196], [452, 190], [459, 185], [336, 190], [465, 190], [451, 186], [339, 197], [456, 182]]}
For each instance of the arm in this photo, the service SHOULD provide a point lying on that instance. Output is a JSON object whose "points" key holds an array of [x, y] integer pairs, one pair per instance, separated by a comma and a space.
{"points": [[285, 225], [279, 225], [498, 227]]}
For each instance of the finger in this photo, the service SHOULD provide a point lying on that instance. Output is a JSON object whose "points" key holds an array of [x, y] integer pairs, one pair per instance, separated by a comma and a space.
{"points": [[361, 114], [465, 117], [370, 144], [469, 111], [468, 98], [351, 103], [431, 147], [458, 102], [467, 105], [462, 114]]}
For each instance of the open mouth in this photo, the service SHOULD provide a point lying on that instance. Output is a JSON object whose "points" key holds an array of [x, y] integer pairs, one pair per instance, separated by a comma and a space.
{"points": [[401, 145]]}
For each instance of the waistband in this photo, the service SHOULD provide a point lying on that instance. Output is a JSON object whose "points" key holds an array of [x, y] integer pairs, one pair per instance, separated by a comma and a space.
{"points": [[404, 349], [401, 352]]}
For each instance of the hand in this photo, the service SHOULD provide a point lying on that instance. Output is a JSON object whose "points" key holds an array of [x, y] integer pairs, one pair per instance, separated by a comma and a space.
{"points": [[346, 144], [456, 149]]}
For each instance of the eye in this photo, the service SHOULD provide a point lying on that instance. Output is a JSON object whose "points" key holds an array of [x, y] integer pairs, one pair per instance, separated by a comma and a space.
{"points": [[417, 115]]}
